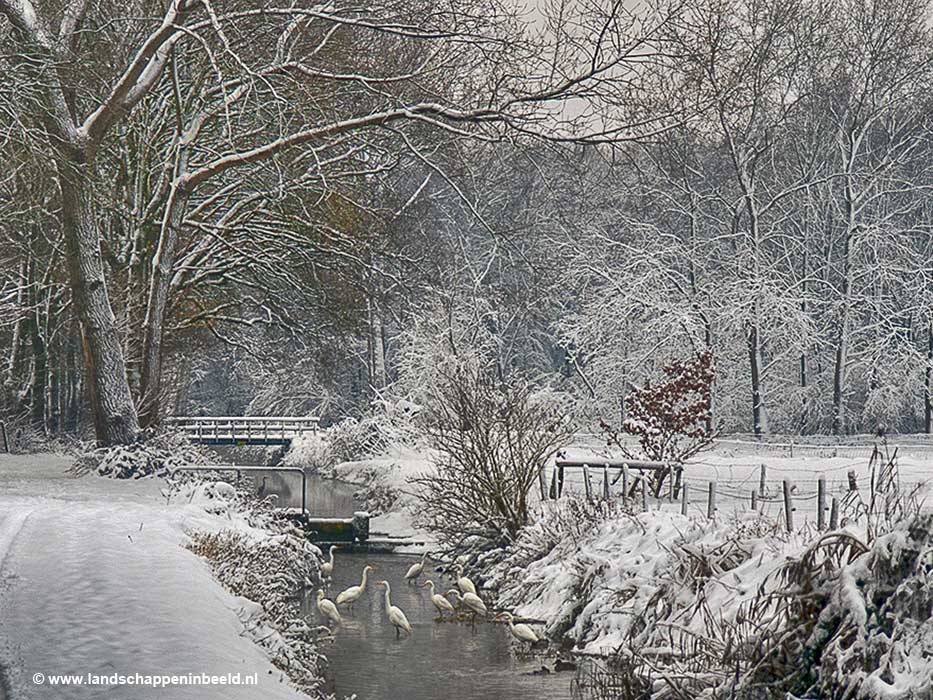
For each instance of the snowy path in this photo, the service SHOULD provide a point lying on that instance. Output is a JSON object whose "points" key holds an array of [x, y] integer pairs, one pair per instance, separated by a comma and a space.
{"points": [[93, 579]]}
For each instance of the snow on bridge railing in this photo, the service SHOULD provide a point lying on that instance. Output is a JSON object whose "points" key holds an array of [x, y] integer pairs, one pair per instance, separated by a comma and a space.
{"points": [[246, 429]]}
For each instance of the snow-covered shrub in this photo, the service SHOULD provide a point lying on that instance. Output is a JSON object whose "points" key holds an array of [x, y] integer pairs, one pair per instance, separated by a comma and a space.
{"points": [[378, 495], [353, 439], [670, 418], [157, 455], [491, 439], [269, 571], [874, 637]]}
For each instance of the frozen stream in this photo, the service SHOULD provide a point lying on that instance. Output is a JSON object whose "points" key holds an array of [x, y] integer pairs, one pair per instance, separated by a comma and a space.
{"points": [[441, 660]]}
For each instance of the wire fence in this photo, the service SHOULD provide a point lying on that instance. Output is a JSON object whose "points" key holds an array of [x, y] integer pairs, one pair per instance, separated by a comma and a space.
{"points": [[798, 495]]}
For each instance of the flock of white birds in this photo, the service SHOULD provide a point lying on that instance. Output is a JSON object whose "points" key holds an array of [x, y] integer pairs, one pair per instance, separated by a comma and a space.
{"points": [[465, 594]]}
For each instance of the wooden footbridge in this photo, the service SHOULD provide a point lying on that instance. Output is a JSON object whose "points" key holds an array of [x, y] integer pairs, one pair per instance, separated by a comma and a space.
{"points": [[244, 430]]}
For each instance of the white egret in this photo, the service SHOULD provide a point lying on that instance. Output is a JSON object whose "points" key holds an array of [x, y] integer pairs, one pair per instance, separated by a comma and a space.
{"points": [[395, 614], [327, 568], [521, 631], [463, 583], [414, 571], [327, 608], [353, 593], [471, 602], [440, 602]]}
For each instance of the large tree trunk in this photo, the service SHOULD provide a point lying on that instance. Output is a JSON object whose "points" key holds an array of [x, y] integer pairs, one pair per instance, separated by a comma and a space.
{"points": [[163, 263], [115, 420]]}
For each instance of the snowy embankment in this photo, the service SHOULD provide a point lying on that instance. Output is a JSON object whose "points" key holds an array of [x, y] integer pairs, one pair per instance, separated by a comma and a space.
{"points": [[602, 575], [95, 578], [689, 606], [386, 485]]}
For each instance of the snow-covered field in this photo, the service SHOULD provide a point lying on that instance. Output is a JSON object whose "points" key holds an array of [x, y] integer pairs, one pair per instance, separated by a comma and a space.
{"points": [[94, 579], [736, 468]]}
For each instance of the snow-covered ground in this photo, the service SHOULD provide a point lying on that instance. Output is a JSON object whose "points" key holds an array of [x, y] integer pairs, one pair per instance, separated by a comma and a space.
{"points": [[736, 468], [94, 578]]}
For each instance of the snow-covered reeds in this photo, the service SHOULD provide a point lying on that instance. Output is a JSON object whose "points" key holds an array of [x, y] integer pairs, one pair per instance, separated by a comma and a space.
{"points": [[692, 608]]}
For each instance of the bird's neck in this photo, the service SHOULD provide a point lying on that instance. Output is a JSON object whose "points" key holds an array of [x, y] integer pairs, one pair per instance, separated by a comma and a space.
{"points": [[363, 582], [388, 600]]}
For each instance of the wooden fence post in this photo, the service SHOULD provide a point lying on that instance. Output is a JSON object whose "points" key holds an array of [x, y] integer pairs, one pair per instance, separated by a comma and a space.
{"points": [[587, 486], [553, 490], [542, 483], [560, 481], [624, 484], [834, 515], [605, 482], [754, 500], [762, 481], [788, 506], [3, 435], [684, 498], [821, 503], [644, 493], [711, 501], [853, 480]]}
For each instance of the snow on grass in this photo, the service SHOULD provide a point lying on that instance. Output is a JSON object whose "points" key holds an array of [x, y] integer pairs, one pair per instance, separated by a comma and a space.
{"points": [[736, 468]]}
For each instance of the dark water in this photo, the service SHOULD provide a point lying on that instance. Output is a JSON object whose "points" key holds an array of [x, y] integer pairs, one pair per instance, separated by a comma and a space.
{"points": [[326, 498], [441, 661]]}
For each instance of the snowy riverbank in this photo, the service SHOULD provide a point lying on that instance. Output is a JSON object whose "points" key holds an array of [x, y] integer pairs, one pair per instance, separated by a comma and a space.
{"points": [[95, 578], [693, 608]]}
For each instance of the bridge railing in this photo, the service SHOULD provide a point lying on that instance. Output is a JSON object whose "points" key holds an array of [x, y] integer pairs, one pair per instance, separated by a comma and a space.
{"points": [[245, 428]]}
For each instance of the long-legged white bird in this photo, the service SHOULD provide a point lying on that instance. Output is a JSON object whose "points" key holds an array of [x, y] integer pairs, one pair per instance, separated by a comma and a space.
{"points": [[463, 583], [395, 614], [440, 602], [414, 571], [353, 593], [327, 568], [521, 631], [327, 608], [471, 602]]}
